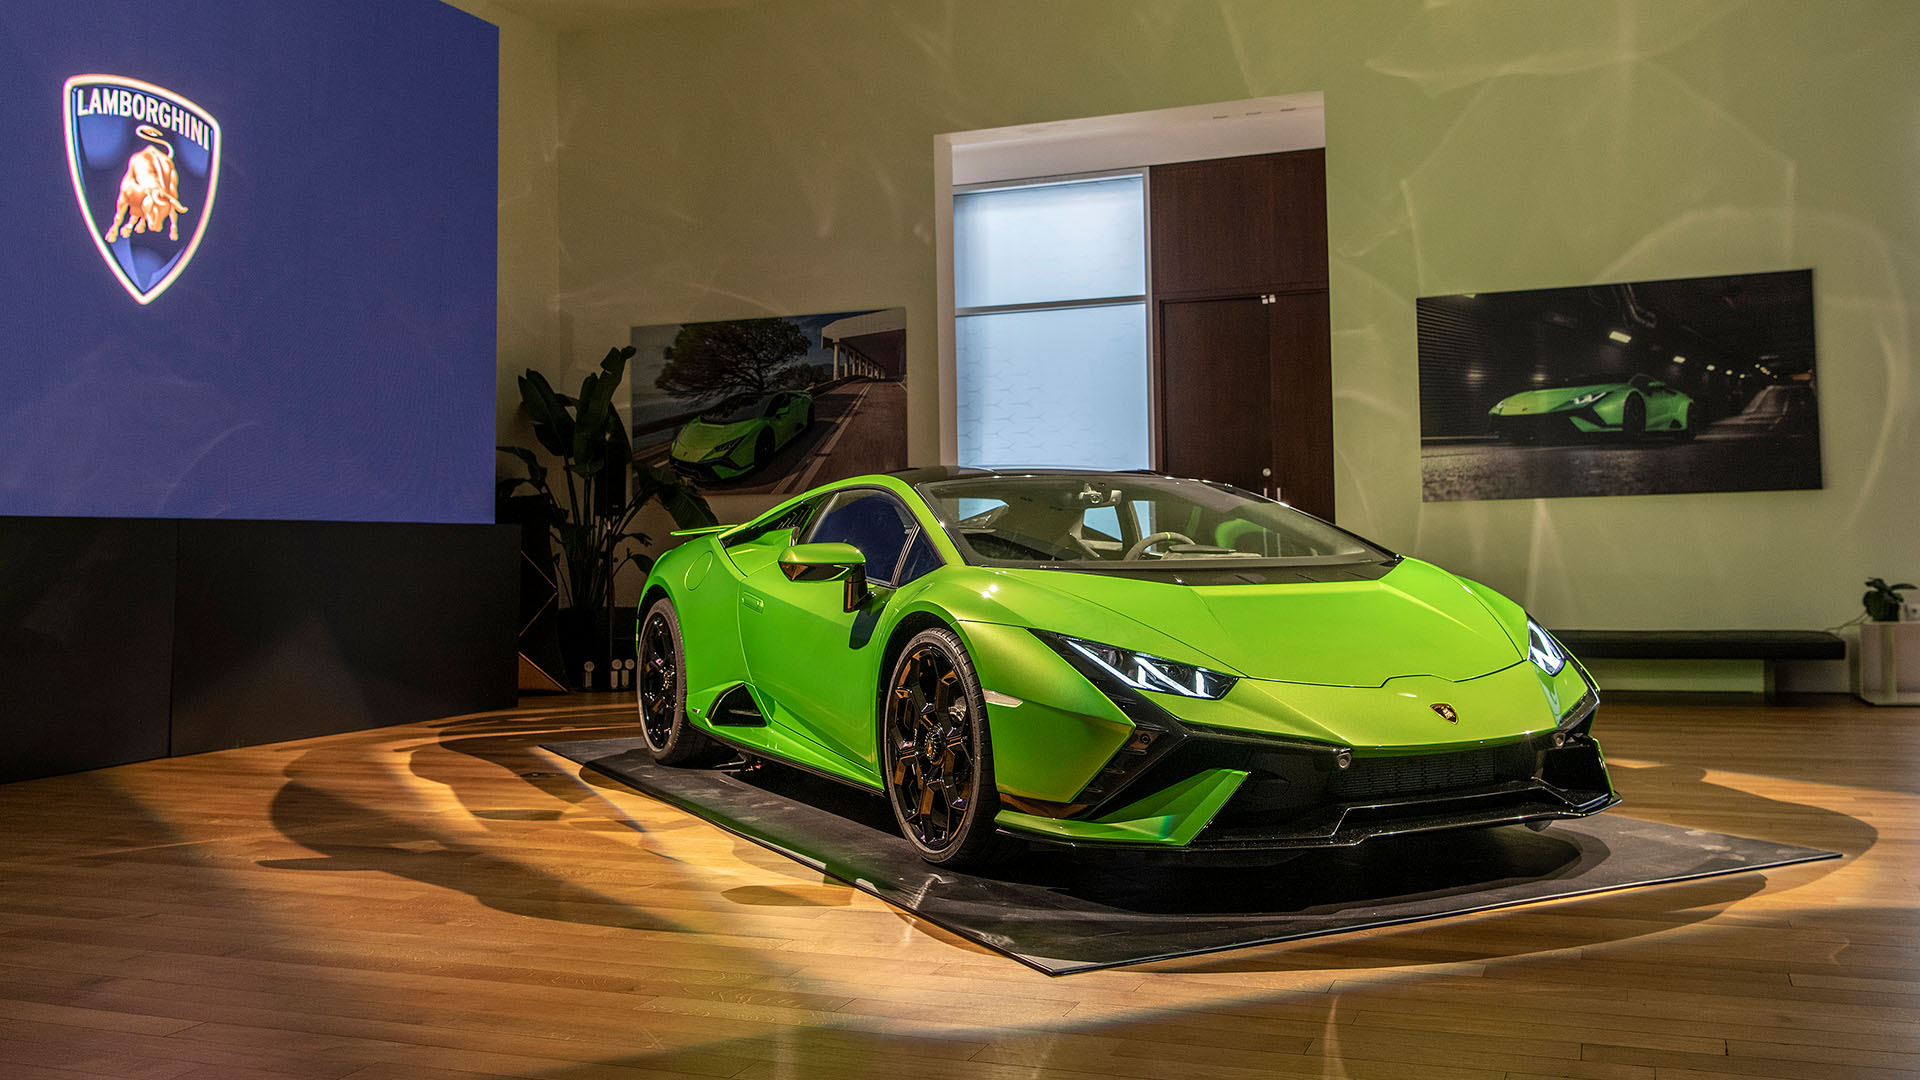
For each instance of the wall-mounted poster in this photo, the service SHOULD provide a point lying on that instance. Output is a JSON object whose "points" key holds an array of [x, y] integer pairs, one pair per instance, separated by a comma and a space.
{"points": [[772, 406], [1646, 388]]}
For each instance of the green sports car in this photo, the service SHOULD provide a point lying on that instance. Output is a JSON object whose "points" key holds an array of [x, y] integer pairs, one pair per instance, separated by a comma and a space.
{"points": [[738, 435], [1589, 405], [1110, 660]]}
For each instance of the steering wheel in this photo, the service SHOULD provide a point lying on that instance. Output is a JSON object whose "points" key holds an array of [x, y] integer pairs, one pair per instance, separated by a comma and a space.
{"points": [[1141, 545]]}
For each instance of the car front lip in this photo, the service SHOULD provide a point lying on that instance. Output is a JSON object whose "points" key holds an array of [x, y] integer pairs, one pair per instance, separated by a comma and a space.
{"points": [[1297, 796]]}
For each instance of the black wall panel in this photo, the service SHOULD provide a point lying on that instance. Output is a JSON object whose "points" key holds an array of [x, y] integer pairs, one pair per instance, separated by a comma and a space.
{"points": [[285, 630], [122, 640], [86, 639]]}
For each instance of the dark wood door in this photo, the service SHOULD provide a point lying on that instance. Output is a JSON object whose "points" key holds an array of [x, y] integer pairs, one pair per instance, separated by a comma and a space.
{"points": [[1240, 292], [1215, 389], [1300, 354], [1246, 394], [1240, 225]]}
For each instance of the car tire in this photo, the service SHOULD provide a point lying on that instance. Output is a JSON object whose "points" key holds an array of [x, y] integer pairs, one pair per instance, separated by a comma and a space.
{"points": [[936, 754], [660, 690], [1633, 418]]}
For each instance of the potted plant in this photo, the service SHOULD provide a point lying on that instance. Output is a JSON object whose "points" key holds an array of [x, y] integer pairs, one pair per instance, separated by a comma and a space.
{"points": [[1883, 601], [1884, 667], [593, 526]]}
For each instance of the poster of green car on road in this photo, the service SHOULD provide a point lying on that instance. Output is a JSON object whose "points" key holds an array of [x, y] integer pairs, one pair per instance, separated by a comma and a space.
{"points": [[771, 405]]}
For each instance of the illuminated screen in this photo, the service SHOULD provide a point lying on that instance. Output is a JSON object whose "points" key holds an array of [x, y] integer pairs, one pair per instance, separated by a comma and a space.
{"points": [[248, 267]]}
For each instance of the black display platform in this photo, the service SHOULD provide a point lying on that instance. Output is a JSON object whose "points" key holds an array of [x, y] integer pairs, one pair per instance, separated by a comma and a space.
{"points": [[1068, 914]]}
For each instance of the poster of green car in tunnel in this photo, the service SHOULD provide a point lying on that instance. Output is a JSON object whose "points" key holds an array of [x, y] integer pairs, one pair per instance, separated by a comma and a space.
{"points": [[772, 405], [1641, 388]]}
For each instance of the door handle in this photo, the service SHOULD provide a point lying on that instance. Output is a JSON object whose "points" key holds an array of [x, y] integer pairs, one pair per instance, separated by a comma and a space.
{"points": [[752, 602]]}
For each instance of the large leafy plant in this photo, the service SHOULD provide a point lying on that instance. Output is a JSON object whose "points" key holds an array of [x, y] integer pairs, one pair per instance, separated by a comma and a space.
{"points": [[594, 526]]}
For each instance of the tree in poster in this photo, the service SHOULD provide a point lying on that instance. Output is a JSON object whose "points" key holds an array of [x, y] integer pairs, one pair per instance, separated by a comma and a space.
{"points": [[713, 360]]}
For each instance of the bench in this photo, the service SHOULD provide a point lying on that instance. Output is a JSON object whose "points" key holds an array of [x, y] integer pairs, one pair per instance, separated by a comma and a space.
{"points": [[1766, 646]]}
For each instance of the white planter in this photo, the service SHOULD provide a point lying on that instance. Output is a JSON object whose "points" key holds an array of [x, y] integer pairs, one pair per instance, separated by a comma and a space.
{"points": [[1886, 663]]}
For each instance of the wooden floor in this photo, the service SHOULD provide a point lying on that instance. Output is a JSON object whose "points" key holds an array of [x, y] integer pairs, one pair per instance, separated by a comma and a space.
{"points": [[443, 901]]}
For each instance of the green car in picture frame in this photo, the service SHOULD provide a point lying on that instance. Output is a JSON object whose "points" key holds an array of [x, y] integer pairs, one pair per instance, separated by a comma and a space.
{"points": [[1595, 405], [740, 434], [1110, 661]]}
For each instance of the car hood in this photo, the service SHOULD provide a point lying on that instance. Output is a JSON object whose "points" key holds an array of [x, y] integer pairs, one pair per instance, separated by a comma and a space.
{"points": [[1536, 401], [700, 436], [1416, 620]]}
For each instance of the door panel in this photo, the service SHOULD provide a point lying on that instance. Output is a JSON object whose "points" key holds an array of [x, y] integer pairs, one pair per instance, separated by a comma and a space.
{"points": [[813, 660], [1201, 235], [1247, 386], [817, 661], [1240, 225], [1302, 401], [1215, 390]]}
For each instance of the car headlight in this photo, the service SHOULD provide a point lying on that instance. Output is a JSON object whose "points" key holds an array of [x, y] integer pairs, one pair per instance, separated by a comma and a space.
{"points": [[725, 448], [1587, 399], [1546, 653], [1144, 672]]}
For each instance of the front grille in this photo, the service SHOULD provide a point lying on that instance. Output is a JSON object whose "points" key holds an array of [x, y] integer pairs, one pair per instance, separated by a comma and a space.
{"points": [[1419, 774]]}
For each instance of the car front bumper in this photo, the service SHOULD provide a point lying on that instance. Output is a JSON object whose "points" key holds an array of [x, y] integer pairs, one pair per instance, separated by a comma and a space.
{"points": [[1209, 781], [1569, 423]]}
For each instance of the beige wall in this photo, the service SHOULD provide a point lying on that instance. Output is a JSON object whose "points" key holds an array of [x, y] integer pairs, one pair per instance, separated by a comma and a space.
{"points": [[777, 158], [531, 328]]}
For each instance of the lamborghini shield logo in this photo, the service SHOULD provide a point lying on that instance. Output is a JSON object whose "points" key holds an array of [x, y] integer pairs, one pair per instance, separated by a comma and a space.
{"points": [[1446, 712], [145, 163]]}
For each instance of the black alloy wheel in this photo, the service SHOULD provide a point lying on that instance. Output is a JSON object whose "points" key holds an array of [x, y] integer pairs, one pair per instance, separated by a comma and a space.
{"points": [[1633, 418], [660, 689], [937, 755]]}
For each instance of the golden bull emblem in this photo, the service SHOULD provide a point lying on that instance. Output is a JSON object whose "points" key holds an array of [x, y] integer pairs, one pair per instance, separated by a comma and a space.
{"points": [[150, 190]]}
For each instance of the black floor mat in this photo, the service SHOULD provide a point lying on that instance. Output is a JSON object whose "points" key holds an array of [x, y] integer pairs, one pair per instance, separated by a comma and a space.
{"points": [[1063, 915]]}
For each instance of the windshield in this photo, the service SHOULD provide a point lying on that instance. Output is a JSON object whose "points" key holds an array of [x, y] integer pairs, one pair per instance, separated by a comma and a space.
{"points": [[1111, 520], [735, 409]]}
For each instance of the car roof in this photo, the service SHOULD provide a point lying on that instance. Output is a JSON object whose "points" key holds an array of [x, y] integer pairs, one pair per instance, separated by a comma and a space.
{"points": [[926, 474]]}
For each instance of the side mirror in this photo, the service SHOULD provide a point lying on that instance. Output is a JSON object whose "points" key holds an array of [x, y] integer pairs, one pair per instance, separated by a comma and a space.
{"points": [[825, 562]]}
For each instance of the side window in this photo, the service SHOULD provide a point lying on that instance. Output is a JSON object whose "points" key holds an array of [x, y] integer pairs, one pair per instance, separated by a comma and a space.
{"points": [[976, 512], [921, 558], [871, 521]]}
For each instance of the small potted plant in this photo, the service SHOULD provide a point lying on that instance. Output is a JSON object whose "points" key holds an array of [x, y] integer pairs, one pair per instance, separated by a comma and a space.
{"points": [[1883, 601]]}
